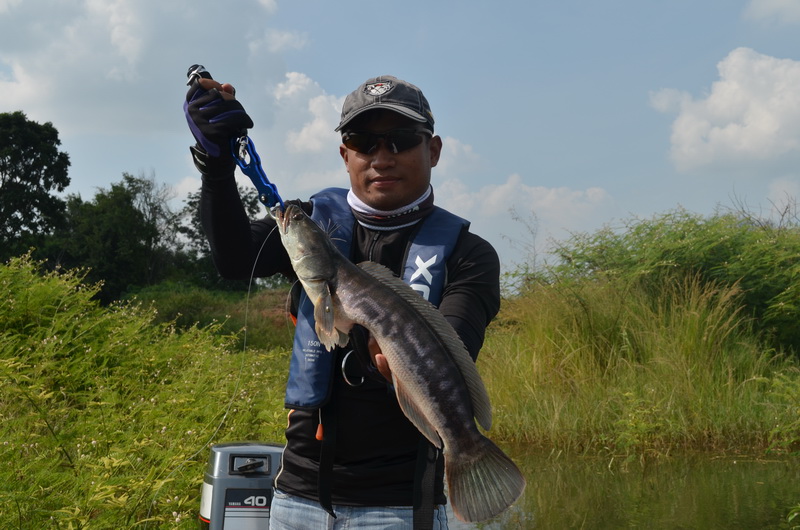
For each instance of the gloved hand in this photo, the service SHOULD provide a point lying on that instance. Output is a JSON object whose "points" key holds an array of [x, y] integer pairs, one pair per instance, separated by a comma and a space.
{"points": [[214, 117]]}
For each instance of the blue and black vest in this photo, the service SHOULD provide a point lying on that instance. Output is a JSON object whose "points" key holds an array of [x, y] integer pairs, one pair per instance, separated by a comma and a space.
{"points": [[311, 367]]}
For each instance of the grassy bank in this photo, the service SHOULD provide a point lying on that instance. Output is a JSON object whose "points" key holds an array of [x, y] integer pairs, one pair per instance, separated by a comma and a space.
{"points": [[607, 367], [106, 414]]}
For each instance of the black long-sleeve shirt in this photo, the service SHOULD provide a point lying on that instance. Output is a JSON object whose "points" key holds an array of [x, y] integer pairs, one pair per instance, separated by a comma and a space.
{"points": [[376, 446]]}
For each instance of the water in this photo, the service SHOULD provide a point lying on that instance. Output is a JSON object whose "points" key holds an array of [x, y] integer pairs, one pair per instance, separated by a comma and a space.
{"points": [[676, 492]]}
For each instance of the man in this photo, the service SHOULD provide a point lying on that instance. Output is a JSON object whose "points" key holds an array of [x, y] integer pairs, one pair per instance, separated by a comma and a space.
{"points": [[351, 455]]}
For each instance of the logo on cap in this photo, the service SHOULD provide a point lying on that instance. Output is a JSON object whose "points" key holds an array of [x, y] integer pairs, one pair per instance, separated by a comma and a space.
{"points": [[378, 89]]}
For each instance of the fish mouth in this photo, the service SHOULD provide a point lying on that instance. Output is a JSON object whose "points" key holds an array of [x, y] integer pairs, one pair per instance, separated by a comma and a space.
{"points": [[282, 217]]}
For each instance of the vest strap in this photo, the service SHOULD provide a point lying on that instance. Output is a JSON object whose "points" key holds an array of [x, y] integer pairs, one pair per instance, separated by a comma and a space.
{"points": [[424, 479]]}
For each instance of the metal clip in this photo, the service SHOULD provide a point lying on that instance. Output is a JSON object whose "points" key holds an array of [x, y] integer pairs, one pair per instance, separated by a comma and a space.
{"points": [[196, 71], [244, 152]]}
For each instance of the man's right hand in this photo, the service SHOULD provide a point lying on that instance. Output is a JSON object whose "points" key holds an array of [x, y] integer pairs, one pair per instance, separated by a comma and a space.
{"points": [[215, 116]]}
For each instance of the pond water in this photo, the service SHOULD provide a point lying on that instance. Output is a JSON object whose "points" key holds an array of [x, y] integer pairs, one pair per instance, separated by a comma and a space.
{"points": [[686, 492]]}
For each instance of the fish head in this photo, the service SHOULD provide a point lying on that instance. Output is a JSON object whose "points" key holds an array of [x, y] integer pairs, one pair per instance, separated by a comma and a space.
{"points": [[311, 251]]}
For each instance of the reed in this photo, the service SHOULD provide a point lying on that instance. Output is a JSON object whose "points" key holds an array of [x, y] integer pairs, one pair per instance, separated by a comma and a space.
{"points": [[106, 413], [608, 366]]}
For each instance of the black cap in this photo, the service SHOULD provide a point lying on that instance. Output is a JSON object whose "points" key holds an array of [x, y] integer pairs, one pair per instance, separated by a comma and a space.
{"points": [[387, 92]]}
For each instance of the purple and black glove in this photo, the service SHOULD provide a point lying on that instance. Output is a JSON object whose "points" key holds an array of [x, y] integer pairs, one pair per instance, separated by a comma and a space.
{"points": [[214, 121]]}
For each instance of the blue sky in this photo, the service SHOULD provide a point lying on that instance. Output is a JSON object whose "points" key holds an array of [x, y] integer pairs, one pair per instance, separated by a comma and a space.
{"points": [[572, 115]]}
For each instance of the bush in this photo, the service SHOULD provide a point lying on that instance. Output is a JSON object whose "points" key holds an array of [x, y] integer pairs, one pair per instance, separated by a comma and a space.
{"points": [[727, 249], [106, 416], [259, 319]]}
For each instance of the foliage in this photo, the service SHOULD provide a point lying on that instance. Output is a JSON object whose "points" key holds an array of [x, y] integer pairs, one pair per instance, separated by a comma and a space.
{"points": [[126, 237], [259, 318], [109, 236], [106, 413], [198, 268], [785, 393], [607, 365], [31, 169], [732, 249], [190, 226], [106, 416]]}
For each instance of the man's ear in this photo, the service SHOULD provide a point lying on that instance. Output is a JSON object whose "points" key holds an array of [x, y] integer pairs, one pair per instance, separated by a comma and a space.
{"points": [[435, 146]]}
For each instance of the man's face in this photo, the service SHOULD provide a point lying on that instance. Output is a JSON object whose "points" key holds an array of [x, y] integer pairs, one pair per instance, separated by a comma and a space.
{"points": [[383, 179]]}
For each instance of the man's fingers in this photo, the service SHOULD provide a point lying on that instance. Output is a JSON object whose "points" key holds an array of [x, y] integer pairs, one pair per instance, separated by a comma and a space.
{"points": [[383, 366], [378, 359], [225, 90]]}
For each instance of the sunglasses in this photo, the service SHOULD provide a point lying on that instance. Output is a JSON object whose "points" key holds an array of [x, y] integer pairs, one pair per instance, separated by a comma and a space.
{"points": [[396, 140]]}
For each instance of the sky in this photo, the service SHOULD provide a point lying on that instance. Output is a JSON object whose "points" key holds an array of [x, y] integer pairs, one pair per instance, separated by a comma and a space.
{"points": [[557, 117]]}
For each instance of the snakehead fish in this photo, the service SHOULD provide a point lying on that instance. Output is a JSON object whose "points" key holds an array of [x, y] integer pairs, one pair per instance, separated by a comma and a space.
{"points": [[436, 382]]}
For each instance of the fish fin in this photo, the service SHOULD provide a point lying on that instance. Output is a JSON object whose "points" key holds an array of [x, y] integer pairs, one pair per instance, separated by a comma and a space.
{"points": [[324, 318], [415, 415], [482, 408], [482, 483], [344, 338]]}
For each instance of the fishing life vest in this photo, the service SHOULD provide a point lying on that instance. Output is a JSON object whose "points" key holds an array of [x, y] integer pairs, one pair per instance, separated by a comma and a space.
{"points": [[311, 367]]}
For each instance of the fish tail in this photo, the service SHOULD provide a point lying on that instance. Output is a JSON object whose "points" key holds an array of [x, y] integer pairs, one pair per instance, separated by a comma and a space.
{"points": [[482, 483]]}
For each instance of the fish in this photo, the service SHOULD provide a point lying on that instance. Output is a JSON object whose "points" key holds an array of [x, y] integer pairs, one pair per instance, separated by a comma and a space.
{"points": [[435, 380]]}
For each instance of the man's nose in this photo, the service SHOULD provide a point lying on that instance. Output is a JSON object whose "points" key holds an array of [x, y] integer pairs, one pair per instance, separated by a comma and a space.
{"points": [[383, 153]]}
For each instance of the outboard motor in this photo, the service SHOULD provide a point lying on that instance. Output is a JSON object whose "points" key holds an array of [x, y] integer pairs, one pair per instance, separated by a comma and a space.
{"points": [[237, 486]]}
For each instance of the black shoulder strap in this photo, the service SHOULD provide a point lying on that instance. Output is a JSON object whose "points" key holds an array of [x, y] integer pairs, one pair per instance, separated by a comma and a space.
{"points": [[424, 479], [327, 420]]}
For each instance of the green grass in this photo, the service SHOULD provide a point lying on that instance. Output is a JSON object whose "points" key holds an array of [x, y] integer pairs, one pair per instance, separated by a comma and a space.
{"points": [[107, 413], [606, 367], [106, 416]]}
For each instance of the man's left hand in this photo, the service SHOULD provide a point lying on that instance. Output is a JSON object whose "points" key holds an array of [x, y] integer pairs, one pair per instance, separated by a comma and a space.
{"points": [[379, 359]]}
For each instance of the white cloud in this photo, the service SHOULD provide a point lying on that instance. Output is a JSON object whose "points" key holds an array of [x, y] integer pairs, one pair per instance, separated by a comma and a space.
{"points": [[303, 102], [7, 5], [296, 83], [317, 134], [781, 11], [561, 207], [669, 100], [117, 66], [750, 119], [295, 136], [783, 189], [270, 5], [456, 159], [23, 89], [503, 213], [126, 32], [186, 186], [277, 41]]}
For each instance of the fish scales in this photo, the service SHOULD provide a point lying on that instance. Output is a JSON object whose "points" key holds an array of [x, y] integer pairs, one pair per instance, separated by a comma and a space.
{"points": [[435, 380], [415, 350]]}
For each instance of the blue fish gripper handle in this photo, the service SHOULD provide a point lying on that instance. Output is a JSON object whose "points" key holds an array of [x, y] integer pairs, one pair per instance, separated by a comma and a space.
{"points": [[244, 152]]}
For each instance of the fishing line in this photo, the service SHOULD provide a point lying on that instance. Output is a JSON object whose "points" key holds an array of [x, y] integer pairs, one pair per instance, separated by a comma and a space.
{"points": [[236, 385]]}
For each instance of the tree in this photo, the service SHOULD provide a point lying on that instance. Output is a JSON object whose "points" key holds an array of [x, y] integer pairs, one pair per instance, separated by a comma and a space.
{"points": [[31, 169], [110, 237], [124, 236], [201, 269], [152, 201]]}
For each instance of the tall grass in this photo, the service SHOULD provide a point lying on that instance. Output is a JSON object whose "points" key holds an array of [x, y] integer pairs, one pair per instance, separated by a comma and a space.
{"points": [[107, 413], [106, 416], [263, 312], [607, 366]]}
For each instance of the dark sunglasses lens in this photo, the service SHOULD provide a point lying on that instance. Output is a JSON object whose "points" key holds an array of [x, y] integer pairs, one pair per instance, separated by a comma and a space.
{"points": [[402, 140], [361, 142], [396, 141]]}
